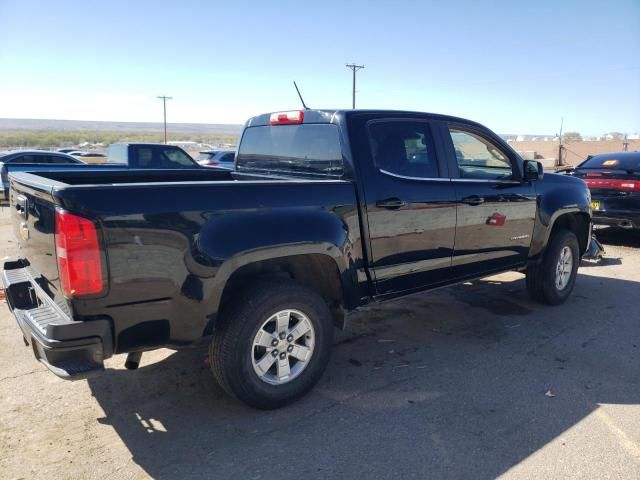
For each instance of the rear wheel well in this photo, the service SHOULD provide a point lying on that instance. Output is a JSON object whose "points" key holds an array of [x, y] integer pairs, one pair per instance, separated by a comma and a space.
{"points": [[315, 271], [578, 223]]}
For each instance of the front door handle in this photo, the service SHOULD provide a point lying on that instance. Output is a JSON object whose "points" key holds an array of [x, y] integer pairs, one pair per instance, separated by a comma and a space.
{"points": [[391, 203], [473, 200]]}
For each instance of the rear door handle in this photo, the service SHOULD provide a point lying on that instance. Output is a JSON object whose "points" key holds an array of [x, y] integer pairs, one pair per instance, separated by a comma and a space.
{"points": [[391, 203], [473, 200]]}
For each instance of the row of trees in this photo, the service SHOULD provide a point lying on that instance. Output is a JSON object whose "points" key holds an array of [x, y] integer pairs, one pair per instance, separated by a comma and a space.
{"points": [[56, 139]]}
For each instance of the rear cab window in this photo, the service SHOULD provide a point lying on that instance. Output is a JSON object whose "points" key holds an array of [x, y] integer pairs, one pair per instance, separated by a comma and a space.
{"points": [[300, 148], [118, 153]]}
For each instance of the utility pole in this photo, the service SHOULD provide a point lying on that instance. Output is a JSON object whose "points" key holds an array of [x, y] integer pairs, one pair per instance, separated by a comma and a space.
{"points": [[354, 68], [625, 143], [560, 146], [164, 108]]}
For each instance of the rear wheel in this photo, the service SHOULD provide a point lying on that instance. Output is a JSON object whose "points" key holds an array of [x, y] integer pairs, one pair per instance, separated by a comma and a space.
{"points": [[272, 345], [552, 280]]}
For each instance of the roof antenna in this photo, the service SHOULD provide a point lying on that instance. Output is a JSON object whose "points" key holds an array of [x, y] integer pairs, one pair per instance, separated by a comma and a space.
{"points": [[301, 100]]}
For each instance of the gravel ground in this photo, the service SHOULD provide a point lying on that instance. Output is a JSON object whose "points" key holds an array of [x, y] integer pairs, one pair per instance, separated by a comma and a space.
{"points": [[447, 384]]}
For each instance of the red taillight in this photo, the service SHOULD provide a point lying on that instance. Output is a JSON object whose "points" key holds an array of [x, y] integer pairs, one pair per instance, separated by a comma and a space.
{"points": [[286, 118], [614, 184], [212, 164], [78, 253]]}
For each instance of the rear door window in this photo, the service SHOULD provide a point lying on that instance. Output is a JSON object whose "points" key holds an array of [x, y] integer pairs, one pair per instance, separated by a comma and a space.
{"points": [[403, 148], [145, 157]]}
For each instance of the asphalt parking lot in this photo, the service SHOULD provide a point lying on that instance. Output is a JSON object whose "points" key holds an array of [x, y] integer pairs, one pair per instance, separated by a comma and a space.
{"points": [[473, 381]]}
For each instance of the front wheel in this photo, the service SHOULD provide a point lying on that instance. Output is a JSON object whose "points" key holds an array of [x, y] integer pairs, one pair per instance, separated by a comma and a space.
{"points": [[272, 345], [552, 280]]}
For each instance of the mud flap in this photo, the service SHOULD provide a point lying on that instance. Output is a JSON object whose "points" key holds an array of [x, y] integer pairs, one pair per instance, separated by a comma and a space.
{"points": [[595, 251]]}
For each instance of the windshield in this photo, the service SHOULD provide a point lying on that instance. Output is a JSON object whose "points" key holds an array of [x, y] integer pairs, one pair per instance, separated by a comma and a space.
{"points": [[621, 161], [305, 148]]}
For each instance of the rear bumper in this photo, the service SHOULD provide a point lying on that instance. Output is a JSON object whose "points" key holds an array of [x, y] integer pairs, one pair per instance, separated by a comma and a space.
{"points": [[617, 218], [70, 349]]}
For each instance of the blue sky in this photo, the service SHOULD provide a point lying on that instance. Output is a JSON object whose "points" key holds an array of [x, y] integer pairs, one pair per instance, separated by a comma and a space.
{"points": [[514, 66]]}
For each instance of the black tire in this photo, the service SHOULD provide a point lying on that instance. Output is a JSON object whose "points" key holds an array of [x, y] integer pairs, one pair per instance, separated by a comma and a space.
{"points": [[541, 276], [232, 347]]}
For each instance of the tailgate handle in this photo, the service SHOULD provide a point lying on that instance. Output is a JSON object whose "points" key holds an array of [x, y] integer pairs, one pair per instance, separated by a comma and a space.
{"points": [[21, 205]]}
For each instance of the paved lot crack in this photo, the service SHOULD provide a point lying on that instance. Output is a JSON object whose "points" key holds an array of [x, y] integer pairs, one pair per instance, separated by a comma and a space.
{"points": [[18, 376]]}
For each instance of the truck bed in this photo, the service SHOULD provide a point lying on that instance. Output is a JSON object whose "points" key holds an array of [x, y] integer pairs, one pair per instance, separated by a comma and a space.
{"points": [[170, 239]]}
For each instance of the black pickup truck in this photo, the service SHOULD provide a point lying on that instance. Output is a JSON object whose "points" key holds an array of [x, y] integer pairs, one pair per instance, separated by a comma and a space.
{"points": [[325, 211]]}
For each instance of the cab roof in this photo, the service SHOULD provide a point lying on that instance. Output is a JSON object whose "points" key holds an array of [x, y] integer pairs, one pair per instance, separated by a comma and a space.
{"points": [[330, 116]]}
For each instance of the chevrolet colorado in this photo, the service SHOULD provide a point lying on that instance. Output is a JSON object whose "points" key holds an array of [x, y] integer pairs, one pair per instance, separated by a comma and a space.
{"points": [[324, 212]]}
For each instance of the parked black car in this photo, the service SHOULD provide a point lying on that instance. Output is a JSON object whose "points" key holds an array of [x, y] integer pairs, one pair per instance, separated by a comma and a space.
{"points": [[33, 157], [326, 211], [614, 181]]}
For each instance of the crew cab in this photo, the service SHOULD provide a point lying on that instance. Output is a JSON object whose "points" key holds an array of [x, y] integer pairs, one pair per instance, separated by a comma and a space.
{"points": [[326, 211]]}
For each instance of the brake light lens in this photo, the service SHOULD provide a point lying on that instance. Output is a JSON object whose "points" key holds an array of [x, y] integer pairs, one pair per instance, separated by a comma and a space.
{"points": [[614, 184], [287, 118], [78, 254]]}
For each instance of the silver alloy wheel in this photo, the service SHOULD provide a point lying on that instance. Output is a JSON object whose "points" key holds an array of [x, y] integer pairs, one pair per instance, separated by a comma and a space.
{"points": [[564, 268], [282, 347]]}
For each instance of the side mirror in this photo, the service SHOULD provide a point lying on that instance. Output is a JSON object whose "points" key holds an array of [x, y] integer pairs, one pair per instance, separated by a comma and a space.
{"points": [[533, 171]]}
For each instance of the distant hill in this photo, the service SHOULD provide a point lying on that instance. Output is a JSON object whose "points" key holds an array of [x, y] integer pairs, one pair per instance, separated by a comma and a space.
{"points": [[90, 125], [174, 128]]}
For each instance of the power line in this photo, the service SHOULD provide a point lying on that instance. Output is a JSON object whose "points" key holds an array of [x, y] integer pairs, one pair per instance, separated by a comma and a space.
{"points": [[164, 109], [354, 68]]}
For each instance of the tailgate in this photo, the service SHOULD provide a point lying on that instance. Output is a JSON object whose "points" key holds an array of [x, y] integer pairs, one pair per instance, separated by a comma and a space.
{"points": [[32, 210]]}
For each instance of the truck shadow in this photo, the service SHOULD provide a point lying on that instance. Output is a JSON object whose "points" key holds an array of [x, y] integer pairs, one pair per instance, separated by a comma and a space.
{"points": [[450, 383], [618, 237]]}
